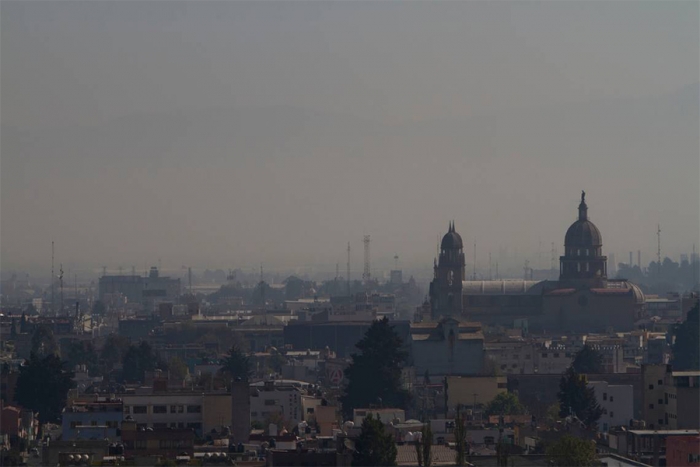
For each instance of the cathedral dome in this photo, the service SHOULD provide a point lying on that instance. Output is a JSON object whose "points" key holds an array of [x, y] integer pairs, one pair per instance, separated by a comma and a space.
{"points": [[452, 240], [583, 232]]}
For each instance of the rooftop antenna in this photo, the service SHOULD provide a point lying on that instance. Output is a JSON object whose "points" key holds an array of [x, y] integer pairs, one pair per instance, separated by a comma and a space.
{"points": [[262, 288], [366, 272], [396, 261], [552, 259], [53, 279], [658, 249], [60, 284], [348, 270], [692, 265], [75, 276], [526, 268]]}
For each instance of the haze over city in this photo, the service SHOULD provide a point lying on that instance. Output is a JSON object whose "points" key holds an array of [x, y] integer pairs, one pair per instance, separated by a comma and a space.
{"points": [[229, 134]]}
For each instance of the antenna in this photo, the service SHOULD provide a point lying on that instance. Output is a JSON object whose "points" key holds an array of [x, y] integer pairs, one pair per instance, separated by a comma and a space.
{"points": [[692, 264], [60, 284], [526, 268], [348, 270], [262, 288], [366, 272], [396, 261], [658, 249], [53, 279], [553, 258]]}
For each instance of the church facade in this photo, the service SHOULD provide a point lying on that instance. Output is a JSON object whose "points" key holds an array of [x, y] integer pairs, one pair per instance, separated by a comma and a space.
{"points": [[584, 299]]}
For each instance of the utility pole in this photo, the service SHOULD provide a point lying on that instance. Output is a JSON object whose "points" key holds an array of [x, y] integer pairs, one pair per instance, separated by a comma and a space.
{"points": [[53, 279]]}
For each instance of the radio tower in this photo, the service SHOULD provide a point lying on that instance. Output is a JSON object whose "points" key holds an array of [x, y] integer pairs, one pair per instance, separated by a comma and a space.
{"points": [[60, 284], [347, 277], [553, 259], [658, 249], [53, 279], [366, 273], [474, 268]]}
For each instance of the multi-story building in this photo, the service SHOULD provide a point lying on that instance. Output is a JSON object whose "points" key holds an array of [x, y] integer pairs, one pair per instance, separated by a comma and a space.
{"points": [[160, 409], [683, 451], [448, 347], [275, 399], [470, 390], [616, 400], [96, 419], [671, 398]]}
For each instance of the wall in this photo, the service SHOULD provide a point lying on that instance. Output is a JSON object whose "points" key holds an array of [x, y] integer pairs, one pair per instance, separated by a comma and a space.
{"points": [[216, 412], [654, 391], [435, 356], [617, 403], [461, 389]]}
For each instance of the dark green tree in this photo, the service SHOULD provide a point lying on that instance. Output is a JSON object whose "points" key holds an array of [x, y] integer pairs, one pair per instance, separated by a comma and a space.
{"points": [[588, 361], [374, 376], [236, 365], [461, 446], [424, 446], [43, 341], [43, 385], [576, 398], [82, 353], [138, 360], [374, 447], [572, 451], [112, 353], [686, 349], [505, 403]]}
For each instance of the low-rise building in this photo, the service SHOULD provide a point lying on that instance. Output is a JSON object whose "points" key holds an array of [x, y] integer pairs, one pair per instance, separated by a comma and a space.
{"points": [[683, 451], [96, 419]]}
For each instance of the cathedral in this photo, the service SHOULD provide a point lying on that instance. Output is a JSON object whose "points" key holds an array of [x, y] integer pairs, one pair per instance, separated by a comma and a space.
{"points": [[584, 299]]}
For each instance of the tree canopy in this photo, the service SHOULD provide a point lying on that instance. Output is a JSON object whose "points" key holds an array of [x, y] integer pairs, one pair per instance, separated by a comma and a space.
{"points": [[236, 365], [374, 376], [686, 349], [569, 451], [374, 447], [588, 361], [505, 403], [575, 397], [138, 360], [42, 386], [43, 341]]}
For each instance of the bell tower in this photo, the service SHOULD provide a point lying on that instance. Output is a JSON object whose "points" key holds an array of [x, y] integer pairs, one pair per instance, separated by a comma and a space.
{"points": [[448, 274]]}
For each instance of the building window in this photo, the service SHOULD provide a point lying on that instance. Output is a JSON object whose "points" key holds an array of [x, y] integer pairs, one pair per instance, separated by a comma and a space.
{"points": [[194, 426], [556, 355], [611, 398], [544, 354], [140, 409], [194, 409], [659, 382], [127, 409], [612, 414], [605, 396], [651, 406], [177, 408], [160, 409], [661, 401], [140, 444], [160, 426], [651, 386], [73, 424]]}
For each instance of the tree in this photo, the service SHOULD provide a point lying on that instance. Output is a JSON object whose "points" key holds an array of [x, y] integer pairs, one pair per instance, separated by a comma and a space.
{"points": [[375, 374], [576, 398], [374, 447], [570, 451], [113, 351], [505, 403], [686, 349], [82, 353], [588, 361], [424, 446], [553, 412], [42, 386], [138, 360], [178, 369], [236, 365], [461, 447], [43, 341]]}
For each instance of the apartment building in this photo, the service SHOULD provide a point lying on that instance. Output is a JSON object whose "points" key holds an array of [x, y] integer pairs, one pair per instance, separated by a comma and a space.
{"points": [[616, 400], [97, 419], [671, 399]]}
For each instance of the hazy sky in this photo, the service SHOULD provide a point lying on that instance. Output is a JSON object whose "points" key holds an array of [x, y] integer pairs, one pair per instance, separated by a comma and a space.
{"points": [[224, 134]]}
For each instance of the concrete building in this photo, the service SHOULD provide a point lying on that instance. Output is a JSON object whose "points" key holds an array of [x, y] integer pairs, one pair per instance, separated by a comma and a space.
{"points": [[447, 347], [274, 400], [138, 289], [160, 410], [96, 419], [240, 411], [616, 400], [671, 399], [683, 451]]}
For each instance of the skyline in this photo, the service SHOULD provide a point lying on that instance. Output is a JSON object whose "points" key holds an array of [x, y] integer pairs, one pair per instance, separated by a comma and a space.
{"points": [[229, 134]]}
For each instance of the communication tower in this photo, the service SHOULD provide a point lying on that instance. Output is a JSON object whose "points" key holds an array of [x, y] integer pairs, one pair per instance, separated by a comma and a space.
{"points": [[347, 278], [366, 272], [658, 249]]}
